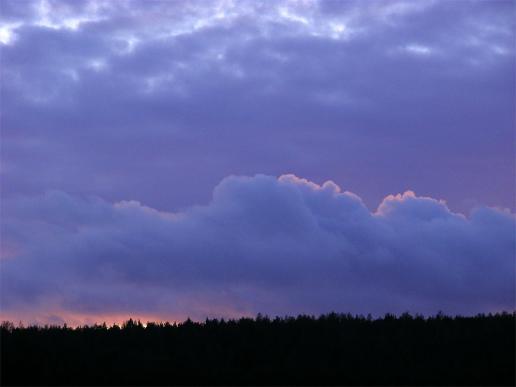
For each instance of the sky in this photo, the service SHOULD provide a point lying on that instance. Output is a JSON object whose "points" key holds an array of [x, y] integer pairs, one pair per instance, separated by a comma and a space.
{"points": [[173, 159]]}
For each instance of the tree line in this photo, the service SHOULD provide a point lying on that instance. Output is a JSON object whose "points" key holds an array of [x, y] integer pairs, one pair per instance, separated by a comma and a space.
{"points": [[332, 349]]}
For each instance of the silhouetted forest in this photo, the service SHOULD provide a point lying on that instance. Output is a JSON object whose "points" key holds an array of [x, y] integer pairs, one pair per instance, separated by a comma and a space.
{"points": [[333, 349]]}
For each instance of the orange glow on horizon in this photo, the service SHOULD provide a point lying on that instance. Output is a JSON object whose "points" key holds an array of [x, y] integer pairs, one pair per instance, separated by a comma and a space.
{"points": [[54, 315], [75, 320]]}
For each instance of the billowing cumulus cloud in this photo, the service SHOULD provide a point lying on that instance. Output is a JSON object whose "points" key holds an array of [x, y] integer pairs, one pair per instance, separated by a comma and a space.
{"points": [[263, 244]]}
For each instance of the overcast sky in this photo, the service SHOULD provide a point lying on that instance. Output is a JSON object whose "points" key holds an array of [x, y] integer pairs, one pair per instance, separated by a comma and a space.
{"points": [[167, 159]]}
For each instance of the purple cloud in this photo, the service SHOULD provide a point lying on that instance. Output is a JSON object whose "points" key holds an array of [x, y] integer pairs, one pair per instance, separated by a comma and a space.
{"points": [[106, 98], [160, 101], [263, 244]]}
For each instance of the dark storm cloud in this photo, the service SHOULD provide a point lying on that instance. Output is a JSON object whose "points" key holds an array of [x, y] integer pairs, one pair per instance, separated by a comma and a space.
{"points": [[263, 244]]}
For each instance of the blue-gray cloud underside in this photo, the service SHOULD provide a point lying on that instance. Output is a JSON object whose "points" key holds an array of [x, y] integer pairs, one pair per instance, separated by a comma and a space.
{"points": [[263, 244]]}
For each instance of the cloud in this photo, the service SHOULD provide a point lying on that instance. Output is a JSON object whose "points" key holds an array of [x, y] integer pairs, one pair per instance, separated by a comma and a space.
{"points": [[159, 101], [323, 89], [263, 244]]}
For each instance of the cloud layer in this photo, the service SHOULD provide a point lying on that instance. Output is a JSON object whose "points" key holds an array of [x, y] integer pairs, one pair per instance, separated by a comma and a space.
{"points": [[109, 97], [159, 101], [263, 244]]}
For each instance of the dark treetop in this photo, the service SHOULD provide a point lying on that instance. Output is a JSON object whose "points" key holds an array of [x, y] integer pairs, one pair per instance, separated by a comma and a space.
{"points": [[331, 349]]}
